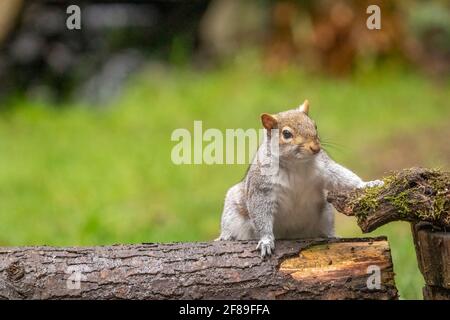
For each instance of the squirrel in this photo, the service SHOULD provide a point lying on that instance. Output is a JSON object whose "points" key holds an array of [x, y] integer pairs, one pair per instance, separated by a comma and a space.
{"points": [[290, 203]]}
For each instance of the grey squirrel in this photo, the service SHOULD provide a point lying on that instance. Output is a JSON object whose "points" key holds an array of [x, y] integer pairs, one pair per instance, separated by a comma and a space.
{"points": [[291, 203]]}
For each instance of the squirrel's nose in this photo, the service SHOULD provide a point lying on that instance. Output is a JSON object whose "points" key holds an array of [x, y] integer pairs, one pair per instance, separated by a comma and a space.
{"points": [[315, 148]]}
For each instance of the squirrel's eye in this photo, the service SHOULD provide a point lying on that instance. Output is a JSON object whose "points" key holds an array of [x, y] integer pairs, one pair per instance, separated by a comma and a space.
{"points": [[287, 134]]}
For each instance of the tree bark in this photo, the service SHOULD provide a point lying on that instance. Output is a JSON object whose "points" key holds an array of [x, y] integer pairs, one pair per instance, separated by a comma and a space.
{"points": [[433, 258], [412, 195], [420, 196], [435, 293], [299, 269]]}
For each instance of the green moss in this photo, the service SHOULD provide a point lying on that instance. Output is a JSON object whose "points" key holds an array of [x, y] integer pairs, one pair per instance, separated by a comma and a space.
{"points": [[401, 202], [440, 184], [405, 191], [439, 205], [367, 202]]}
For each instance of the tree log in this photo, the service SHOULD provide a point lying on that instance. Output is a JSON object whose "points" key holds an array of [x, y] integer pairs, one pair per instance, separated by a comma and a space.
{"points": [[412, 195], [420, 196], [433, 258], [299, 269], [435, 293]]}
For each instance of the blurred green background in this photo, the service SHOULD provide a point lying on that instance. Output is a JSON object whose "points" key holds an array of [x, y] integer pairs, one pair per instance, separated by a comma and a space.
{"points": [[74, 174]]}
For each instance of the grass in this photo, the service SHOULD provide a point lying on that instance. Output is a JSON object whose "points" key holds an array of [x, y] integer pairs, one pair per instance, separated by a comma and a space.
{"points": [[83, 176]]}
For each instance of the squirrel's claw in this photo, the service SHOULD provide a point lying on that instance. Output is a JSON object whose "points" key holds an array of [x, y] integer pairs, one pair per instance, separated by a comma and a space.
{"points": [[266, 245]]}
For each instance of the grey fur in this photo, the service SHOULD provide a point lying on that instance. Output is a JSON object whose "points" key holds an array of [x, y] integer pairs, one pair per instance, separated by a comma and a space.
{"points": [[289, 204]]}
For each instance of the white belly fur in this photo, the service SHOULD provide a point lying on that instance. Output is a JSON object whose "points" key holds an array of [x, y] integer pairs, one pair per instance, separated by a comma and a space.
{"points": [[303, 211]]}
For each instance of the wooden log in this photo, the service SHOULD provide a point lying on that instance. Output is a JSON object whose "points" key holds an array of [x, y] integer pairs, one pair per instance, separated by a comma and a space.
{"points": [[420, 196], [433, 258], [412, 195], [435, 293], [299, 269]]}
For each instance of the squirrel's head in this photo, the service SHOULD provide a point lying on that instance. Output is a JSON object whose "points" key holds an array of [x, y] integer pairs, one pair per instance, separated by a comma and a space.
{"points": [[297, 132]]}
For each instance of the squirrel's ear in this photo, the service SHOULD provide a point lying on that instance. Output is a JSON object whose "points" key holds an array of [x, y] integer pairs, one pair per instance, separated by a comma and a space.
{"points": [[304, 107], [269, 121]]}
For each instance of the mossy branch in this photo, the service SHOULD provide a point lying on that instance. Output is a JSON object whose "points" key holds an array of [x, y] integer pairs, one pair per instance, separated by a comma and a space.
{"points": [[414, 195]]}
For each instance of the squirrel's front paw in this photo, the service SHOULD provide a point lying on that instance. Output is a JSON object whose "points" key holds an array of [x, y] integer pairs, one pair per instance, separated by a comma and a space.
{"points": [[374, 183], [266, 245]]}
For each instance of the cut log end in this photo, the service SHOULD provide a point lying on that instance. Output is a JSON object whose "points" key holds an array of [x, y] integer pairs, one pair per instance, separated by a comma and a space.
{"points": [[412, 195]]}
